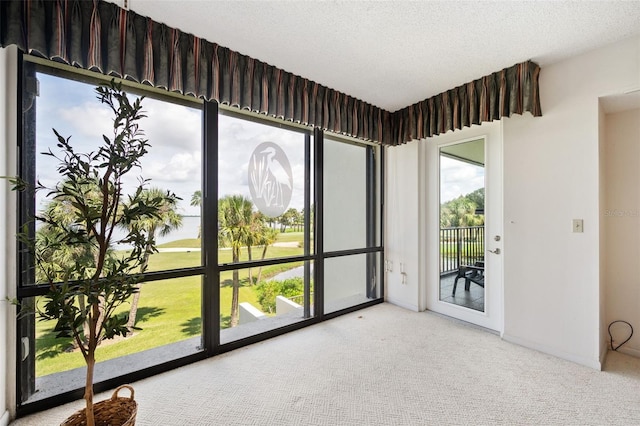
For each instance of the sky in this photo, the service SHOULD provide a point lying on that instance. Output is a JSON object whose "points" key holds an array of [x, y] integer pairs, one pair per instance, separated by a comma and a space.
{"points": [[174, 133], [458, 178]]}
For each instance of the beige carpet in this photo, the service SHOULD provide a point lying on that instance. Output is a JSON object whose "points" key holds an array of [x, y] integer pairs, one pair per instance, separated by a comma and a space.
{"points": [[385, 366]]}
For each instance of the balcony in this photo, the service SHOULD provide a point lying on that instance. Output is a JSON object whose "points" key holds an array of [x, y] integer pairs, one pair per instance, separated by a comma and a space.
{"points": [[461, 246]]}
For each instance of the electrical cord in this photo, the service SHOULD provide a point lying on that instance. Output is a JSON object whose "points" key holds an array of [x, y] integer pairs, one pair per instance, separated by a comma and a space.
{"points": [[611, 336]]}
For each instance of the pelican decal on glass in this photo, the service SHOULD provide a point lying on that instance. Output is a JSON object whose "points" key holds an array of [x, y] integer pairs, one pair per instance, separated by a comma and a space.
{"points": [[270, 179]]}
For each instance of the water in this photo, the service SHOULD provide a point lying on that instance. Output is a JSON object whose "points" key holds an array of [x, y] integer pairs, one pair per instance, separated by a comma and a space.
{"points": [[189, 229]]}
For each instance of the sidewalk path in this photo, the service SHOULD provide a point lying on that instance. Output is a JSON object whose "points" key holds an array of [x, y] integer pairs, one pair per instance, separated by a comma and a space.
{"points": [[291, 244]]}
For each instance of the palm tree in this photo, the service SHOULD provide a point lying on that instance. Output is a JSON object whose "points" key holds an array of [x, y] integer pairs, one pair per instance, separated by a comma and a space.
{"points": [[166, 220], [62, 242], [266, 238], [460, 212], [257, 228], [196, 198], [235, 215], [196, 201]]}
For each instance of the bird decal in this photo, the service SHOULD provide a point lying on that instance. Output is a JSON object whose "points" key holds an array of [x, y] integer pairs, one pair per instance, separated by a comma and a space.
{"points": [[270, 179]]}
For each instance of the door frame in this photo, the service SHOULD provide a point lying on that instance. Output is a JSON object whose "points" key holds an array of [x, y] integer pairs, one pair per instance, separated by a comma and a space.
{"points": [[493, 316]]}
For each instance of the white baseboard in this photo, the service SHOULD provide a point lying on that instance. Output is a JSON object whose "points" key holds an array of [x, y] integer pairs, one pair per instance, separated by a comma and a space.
{"points": [[4, 420], [604, 350], [630, 351], [591, 363], [404, 305]]}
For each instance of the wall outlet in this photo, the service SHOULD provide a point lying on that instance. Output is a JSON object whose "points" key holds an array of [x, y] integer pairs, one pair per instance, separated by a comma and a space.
{"points": [[578, 225]]}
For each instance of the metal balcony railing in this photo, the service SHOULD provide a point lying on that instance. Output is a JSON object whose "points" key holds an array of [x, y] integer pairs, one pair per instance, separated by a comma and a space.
{"points": [[460, 246]]}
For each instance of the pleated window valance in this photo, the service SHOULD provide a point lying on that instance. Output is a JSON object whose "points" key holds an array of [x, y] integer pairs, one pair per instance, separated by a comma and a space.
{"points": [[100, 36]]}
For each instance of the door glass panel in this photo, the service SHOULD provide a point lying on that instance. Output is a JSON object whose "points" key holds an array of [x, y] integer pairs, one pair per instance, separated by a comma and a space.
{"points": [[462, 243], [281, 296]]}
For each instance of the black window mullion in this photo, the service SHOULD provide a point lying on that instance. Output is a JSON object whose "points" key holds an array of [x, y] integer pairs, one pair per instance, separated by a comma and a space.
{"points": [[26, 336], [209, 223], [371, 219], [380, 206], [307, 222], [318, 237]]}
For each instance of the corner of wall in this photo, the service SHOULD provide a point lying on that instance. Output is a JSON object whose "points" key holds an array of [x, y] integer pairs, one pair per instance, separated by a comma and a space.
{"points": [[402, 255], [8, 123], [540, 165], [602, 185]]}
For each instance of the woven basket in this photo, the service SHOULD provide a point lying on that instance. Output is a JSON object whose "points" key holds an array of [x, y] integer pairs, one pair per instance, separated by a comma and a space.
{"points": [[117, 411]]}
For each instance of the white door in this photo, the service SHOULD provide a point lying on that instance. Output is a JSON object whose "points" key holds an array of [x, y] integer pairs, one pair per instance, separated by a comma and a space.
{"points": [[464, 225]]}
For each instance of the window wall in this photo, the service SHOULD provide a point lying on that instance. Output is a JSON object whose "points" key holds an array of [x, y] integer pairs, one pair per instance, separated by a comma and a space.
{"points": [[168, 304], [276, 227], [351, 220], [264, 201]]}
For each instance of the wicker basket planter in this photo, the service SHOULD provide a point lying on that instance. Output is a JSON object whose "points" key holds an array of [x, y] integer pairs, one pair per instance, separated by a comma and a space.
{"points": [[117, 411]]}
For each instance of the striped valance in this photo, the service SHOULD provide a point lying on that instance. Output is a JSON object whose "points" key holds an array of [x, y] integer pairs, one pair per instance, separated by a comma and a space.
{"points": [[513, 90], [102, 37]]}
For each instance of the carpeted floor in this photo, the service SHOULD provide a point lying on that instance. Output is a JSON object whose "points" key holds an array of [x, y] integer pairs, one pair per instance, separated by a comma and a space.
{"points": [[385, 366]]}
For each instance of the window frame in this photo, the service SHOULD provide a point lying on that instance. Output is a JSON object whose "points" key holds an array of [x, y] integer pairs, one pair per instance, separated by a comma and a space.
{"points": [[210, 269]]}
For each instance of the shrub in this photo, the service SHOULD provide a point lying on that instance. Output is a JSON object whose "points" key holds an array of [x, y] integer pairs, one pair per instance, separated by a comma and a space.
{"points": [[269, 290]]}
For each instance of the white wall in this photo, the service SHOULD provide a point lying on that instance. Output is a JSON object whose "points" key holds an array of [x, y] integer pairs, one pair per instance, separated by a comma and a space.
{"points": [[8, 117], [552, 279], [621, 225], [602, 261], [551, 169], [404, 224]]}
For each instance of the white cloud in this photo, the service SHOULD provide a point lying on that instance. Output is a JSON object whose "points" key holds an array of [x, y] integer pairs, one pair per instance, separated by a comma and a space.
{"points": [[171, 125], [181, 167], [458, 178]]}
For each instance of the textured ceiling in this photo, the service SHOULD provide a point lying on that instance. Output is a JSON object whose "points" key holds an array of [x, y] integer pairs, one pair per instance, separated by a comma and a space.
{"points": [[395, 53]]}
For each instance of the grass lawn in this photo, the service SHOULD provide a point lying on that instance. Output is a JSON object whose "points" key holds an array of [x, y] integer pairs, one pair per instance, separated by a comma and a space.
{"points": [[169, 310], [468, 248]]}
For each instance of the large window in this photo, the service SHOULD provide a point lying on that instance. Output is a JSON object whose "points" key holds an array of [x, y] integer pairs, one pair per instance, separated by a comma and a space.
{"points": [[264, 203], [167, 308], [276, 227], [351, 223]]}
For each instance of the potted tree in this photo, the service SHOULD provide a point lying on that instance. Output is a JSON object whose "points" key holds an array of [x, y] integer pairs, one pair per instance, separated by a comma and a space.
{"points": [[84, 294]]}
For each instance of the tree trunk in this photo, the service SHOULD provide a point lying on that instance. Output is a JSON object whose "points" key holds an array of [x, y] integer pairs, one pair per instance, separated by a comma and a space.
{"points": [[133, 311], [85, 326], [236, 291], [250, 274], [264, 254], [235, 306], [88, 388]]}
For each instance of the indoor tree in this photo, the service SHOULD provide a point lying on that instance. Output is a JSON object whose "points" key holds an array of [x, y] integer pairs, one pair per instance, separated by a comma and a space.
{"points": [[92, 192]]}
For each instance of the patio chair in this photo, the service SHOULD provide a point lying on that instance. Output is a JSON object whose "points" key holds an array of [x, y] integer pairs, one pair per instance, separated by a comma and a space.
{"points": [[470, 273]]}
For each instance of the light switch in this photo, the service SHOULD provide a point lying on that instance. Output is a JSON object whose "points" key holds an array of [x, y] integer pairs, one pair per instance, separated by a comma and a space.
{"points": [[578, 225]]}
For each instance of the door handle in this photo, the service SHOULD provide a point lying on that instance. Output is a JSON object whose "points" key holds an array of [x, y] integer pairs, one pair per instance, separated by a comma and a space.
{"points": [[496, 251]]}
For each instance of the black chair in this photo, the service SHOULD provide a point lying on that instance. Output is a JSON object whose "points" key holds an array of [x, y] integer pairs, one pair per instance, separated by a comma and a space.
{"points": [[470, 273]]}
